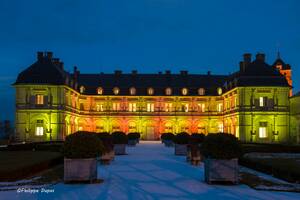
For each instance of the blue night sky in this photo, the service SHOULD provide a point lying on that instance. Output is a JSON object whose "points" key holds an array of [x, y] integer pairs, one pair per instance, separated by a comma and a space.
{"points": [[147, 35]]}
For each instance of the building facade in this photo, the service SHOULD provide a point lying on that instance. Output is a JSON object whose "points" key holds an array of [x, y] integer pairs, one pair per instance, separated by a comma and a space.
{"points": [[252, 103]]}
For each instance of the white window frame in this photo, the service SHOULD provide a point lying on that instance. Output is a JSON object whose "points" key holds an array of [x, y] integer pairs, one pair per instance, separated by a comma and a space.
{"points": [[39, 131]]}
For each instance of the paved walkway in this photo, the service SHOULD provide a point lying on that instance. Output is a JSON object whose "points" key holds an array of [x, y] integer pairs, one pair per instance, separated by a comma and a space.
{"points": [[151, 171]]}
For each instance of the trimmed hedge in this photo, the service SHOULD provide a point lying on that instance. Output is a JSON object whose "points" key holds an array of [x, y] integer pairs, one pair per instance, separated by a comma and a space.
{"points": [[197, 138], [119, 137], [83, 144], [167, 136], [107, 141], [221, 146], [133, 136], [182, 138]]}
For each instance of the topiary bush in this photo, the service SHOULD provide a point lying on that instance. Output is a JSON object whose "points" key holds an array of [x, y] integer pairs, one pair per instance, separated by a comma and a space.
{"points": [[82, 144], [107, 141], [221, 146], [134, 136], [167, 136], [119, 137], [196, 138], [182, 138]]}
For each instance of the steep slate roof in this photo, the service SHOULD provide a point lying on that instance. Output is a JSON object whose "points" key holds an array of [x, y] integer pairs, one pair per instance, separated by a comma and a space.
{"points": [[159, 82], [48, 70]]}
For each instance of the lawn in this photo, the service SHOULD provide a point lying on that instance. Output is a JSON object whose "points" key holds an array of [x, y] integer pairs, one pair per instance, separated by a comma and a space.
{"points": [[21, 164]]}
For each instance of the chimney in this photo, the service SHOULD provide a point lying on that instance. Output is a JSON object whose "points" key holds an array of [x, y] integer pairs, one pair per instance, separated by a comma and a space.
{"points": [[242, 66], [118, 72], [184, 72], [168, 72], [260, 57], [49, 55], [61, 65], [55, 61], [159, 72], [247, 58], [208, 73], [40, 55]]}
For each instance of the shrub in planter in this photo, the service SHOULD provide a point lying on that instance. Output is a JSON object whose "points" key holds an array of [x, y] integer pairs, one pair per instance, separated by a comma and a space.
{"points": [[181, 141], [221, 152], [193, 148], [80, 152], [109, 152], [133, 138], [120, 140], [167, 139]]}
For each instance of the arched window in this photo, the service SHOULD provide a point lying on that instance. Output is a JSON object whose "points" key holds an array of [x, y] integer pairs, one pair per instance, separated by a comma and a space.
{"points": [[168, 91], [201, 91], [150, 91], [81, 89], [132, 91], [116, 90], [100, 90], [184, 91], [219, 90]]}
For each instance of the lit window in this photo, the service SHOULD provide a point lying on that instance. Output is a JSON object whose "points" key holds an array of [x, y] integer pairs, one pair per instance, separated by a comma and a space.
{"points": [[184, 91], [262, 132], [132, 107], [116, 90], [237, 132], [100, 107], [39, 99], [150, 107], [220, 107], [39, 131], [100, 90], [82, 89], [219, 90], [168, 91], [116, 106], [168, 107], [132, 91], [185, 107], [261, 101], [220, 128], [201, 107], [150, 91], [201, 91], [80, 128]]}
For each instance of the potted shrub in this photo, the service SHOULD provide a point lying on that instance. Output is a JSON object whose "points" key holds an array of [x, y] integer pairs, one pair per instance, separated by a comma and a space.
{"points": [[181, 141], [80, 152], [109, 153], [167, 139], [133, 138], [193, 148], [120, 140], [221, 152]]}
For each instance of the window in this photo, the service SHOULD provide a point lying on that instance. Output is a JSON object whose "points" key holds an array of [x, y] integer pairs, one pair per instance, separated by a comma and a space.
{"points": [[184, 91], [150, 91], [132, 107], [116, 106], [116, 90], [81, 89], [100, 90], [219, 91], [168, 107], [185, 107], [220, 128], [262, 101], [262, 132], [100, 107], [132, 91], [201, 107], [201, 91], [220, 107], [168, 91], [39, 131], [39, 99], [150, 107]]}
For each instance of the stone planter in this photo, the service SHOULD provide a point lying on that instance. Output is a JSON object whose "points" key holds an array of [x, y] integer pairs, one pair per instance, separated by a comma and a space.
{"points": [[80, 169], [120, 149], [180, 149], [188, 153], [196, 156], [168, 143], [132, 142], [107, 157], [221, 170]]}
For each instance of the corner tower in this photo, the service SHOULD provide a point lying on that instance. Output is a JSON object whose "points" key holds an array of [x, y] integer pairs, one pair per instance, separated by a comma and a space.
{"points": [[285, 70]]}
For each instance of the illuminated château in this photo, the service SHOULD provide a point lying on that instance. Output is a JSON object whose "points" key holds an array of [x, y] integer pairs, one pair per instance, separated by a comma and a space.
{"points": [[252, 103]]}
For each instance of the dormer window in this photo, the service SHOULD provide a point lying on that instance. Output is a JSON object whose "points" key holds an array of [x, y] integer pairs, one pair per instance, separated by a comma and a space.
{"points": [[116, 90], [219, 91], [184, 91], [201, 91], [132, 91], [150, 91], [81, 89], [168, 91], [100, 90]]}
